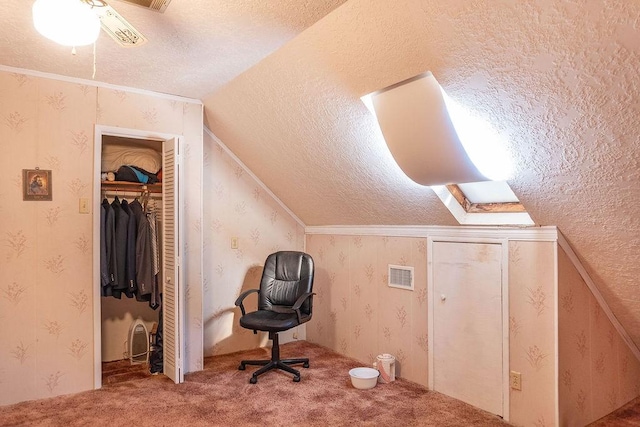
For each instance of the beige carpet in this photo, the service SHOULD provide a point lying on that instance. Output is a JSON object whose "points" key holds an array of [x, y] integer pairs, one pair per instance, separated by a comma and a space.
{"points": [[220, 395], [627, 416], [122, 370]]}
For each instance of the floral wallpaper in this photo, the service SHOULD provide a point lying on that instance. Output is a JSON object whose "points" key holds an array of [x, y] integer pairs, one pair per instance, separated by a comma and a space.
{"points": [[46, 292], [352, 290], [357, 314], [138, 111], [235, 205], [193, 152], [598, 372], [531, 332]]}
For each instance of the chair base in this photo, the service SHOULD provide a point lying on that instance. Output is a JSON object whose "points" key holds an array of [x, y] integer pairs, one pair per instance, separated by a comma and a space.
{"points": [[274, 363]]}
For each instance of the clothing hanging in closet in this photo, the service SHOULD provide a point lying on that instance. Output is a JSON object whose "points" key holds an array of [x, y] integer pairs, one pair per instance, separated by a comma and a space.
{"points": [[129, 251]]}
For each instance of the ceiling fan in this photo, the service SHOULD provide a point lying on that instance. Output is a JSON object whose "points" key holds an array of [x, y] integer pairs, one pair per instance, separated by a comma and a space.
{"points": [[78, 22]]}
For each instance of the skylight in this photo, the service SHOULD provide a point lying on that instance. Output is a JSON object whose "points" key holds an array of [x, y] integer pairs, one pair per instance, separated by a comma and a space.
{"points": [[435, 140], [483, 203], [483, 144], [488, 192]]}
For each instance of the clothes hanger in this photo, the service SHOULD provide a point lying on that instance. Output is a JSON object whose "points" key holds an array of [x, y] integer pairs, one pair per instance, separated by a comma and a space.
{"points": [[144, 197]]}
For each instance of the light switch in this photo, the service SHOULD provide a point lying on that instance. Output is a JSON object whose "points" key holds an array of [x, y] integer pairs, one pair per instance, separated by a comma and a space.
{"points": [[84, 205], [234, 243]]}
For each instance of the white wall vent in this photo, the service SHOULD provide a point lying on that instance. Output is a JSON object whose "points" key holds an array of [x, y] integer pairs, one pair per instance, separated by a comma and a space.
{"points": [[158, 5], [401, 277]]}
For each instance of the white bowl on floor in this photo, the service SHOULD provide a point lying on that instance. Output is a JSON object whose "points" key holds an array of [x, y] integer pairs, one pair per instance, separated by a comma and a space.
{"points": [[364, 378]]}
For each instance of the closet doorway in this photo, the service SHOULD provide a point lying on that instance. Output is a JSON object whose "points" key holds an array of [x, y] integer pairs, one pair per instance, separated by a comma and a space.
{"points": [[468, 322], [171, 249]]}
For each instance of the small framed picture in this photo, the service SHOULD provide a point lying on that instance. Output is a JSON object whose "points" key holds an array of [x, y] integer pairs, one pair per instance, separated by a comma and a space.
{"points": [[36, 184]]}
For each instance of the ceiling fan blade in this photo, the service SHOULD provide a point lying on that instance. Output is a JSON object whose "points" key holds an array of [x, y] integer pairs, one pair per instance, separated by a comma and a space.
{"points": [[118, 28]]}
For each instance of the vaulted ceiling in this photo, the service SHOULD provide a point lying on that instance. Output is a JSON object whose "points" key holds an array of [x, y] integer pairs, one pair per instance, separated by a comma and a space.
{"points": [[281, 83]]}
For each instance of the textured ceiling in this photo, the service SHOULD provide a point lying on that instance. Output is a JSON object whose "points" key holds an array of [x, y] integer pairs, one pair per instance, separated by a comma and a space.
{"points": [[194, 47], [281, 82], [559, 79]]}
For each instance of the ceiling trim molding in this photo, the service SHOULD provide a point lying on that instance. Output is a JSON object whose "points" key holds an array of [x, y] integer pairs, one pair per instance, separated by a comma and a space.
{"points": [[564, 244], [539, 234], [104, 85], [252, 175]]}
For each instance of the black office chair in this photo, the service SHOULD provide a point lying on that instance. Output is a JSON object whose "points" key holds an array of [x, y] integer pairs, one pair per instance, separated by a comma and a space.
{"points": [[285, 301]]}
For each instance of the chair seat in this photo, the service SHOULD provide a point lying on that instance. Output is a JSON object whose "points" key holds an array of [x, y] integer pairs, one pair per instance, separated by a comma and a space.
{"points": [[270, 321]]}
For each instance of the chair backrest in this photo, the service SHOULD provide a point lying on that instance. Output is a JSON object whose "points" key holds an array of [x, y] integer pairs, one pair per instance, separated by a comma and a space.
{"points": [[286, 276]]}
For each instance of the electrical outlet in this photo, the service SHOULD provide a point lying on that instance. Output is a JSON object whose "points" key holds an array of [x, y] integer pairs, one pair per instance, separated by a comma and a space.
{"points": [[234, 243], [515, 380]]}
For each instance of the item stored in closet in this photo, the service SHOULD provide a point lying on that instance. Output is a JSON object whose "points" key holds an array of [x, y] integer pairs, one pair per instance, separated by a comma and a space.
{"points": [[129, 250], [116, 155], [138, 347]]}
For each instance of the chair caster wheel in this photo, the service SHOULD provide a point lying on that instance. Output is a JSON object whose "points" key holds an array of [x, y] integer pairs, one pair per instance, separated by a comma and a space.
{"points": [[253, 380], [305, 365], [241, 367], [296, 379]]}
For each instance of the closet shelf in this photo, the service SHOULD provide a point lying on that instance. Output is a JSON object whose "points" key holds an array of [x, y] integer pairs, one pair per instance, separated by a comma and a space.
{"points": [[131, 186]]}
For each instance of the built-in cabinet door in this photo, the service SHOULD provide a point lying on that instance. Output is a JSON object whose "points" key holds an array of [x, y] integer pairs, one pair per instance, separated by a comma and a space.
{"points": [[468, 322], [172, 272]]}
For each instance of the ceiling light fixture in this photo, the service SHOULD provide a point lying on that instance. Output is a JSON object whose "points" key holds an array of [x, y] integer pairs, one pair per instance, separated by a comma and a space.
{"points": [[423, 139], [67, 22]]}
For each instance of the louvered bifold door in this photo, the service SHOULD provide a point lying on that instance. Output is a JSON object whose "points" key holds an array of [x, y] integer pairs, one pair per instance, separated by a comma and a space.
{"points": [[172, 250]]}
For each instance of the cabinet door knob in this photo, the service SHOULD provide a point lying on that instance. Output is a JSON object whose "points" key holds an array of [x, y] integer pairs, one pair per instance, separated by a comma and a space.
{"points": [[443, 297]]}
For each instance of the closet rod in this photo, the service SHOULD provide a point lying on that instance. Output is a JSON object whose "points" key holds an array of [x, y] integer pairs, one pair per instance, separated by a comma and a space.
{"points": [[131, 186], [128, 193]]}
